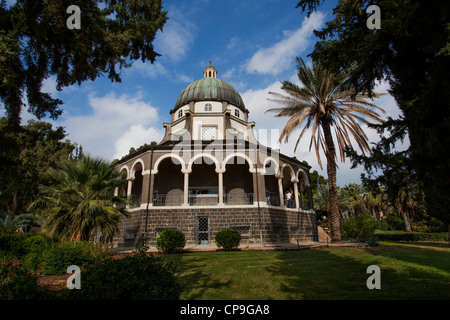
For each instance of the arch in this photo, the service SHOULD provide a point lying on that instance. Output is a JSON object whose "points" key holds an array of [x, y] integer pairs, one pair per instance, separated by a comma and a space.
{"points": [[133, 171], [302, 172], [126, 169], [206, 155], [266, 160], [168, 155], [283, 166], [241, 155]]}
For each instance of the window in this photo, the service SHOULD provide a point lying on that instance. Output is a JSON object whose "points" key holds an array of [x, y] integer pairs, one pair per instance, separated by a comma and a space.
{"points": [[208, 107], [180, 114], [208, 133], [236, 113]]}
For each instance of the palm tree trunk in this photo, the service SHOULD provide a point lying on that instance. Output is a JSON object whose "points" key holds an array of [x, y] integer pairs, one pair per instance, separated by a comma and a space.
{"points": [[333, 213]]}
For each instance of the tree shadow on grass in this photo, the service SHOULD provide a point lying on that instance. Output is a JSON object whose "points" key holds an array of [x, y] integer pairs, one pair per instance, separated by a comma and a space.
{"points": [[341, 273], [194, 280]]}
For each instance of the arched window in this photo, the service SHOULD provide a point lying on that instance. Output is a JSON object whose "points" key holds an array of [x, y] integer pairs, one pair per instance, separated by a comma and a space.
{"points": [[208, 107], [236, 113], [180, 114]]}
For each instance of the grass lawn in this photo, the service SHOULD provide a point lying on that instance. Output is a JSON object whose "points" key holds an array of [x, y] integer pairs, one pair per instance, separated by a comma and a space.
{"points": [[408, 271]]}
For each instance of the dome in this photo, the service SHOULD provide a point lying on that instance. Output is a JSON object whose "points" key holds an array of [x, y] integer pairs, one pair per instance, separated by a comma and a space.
{"points": [[210, 89]]}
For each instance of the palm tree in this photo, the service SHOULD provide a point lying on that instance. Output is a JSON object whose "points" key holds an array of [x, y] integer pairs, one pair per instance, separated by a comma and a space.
{"points": [[322, 199], [355, 194], [324, 104], [79, 200]]}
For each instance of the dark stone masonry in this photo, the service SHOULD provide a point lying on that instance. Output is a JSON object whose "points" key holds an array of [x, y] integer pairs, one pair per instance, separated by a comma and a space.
{"points": [[200, 225]]}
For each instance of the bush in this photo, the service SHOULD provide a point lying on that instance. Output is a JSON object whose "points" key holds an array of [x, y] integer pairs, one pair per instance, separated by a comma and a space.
{"points": [[17, 283], [13, 245], [392, 222], [37, 243], [362, 226], [170, 241], [137, 277], [412, 236], [228, 239], [62, 255], [431, 226]]}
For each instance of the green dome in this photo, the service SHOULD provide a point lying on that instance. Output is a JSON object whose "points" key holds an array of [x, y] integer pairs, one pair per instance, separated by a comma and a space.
{"points": [[210, 89]]}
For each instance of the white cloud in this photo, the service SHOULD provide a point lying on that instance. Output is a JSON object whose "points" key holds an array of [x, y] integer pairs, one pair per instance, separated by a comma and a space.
{"points": [[176, 39], [115, 121], [147, 69], [279, 57], [136, 136]]}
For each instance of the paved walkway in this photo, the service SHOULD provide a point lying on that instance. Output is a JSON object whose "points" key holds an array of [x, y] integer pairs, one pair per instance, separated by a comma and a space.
{"points": [[259, 247]]}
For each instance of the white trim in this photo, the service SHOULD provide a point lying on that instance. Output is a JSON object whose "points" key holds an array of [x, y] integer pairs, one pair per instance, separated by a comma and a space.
{"points": [[266, 160], [284, 165], [126, 169], [250, 163], [165, 156], [306, 180], [132, 167], [206, 155]]}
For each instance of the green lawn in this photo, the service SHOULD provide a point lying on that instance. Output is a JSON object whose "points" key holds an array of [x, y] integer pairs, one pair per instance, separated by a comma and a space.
{"points": [[408, 271]]}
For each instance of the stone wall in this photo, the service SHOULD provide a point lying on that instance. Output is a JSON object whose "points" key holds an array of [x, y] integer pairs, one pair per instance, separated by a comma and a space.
{"points": [[272, 224]]}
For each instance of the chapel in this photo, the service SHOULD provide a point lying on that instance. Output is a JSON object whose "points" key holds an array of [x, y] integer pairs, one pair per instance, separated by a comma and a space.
{"points": [[209, 172]]}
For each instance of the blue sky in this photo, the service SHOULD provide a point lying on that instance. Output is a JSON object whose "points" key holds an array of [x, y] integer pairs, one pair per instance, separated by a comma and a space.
{"points": [[253, 45]]}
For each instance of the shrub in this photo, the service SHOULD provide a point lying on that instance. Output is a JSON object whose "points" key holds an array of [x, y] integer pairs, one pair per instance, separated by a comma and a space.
{"points": [[431, 226], [13, 245], [228, 239], [412, 236], [393, 222], [62, 255], [137, 277], [37, 243], [170, 241], [17, 283], [362, 226]]}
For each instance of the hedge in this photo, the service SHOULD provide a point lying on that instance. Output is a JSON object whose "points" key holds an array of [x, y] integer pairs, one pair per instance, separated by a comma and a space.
{"points": [[413, 236]]}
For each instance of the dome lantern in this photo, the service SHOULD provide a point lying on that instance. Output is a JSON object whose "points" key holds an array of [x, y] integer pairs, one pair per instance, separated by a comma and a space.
{"points": [[210, 71]]}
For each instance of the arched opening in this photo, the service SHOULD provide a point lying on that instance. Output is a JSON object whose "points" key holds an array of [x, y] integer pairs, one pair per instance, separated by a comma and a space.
{"points": [[169, 183], [271, 184], [288, 187], [238, 182], [203, 183], [305, 201], [136, 186], [122, 189]]}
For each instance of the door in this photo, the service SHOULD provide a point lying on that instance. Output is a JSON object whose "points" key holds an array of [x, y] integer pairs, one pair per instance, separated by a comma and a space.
{"points": [[203, 231]]}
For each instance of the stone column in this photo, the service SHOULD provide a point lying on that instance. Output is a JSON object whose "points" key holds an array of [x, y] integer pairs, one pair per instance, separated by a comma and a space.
{"points": [[186, 187], [130, 186], [296, 193], [220, 173], [280, 189]]}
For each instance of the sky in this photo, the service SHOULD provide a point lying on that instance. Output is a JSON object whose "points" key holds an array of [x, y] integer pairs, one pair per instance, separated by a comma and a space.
{"points": [[253, 45]]}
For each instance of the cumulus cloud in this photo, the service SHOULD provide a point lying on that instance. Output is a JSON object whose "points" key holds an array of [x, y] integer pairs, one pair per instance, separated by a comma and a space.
{"points": [[147, 69], [116, 123], [279, 57], [176, 38]]}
